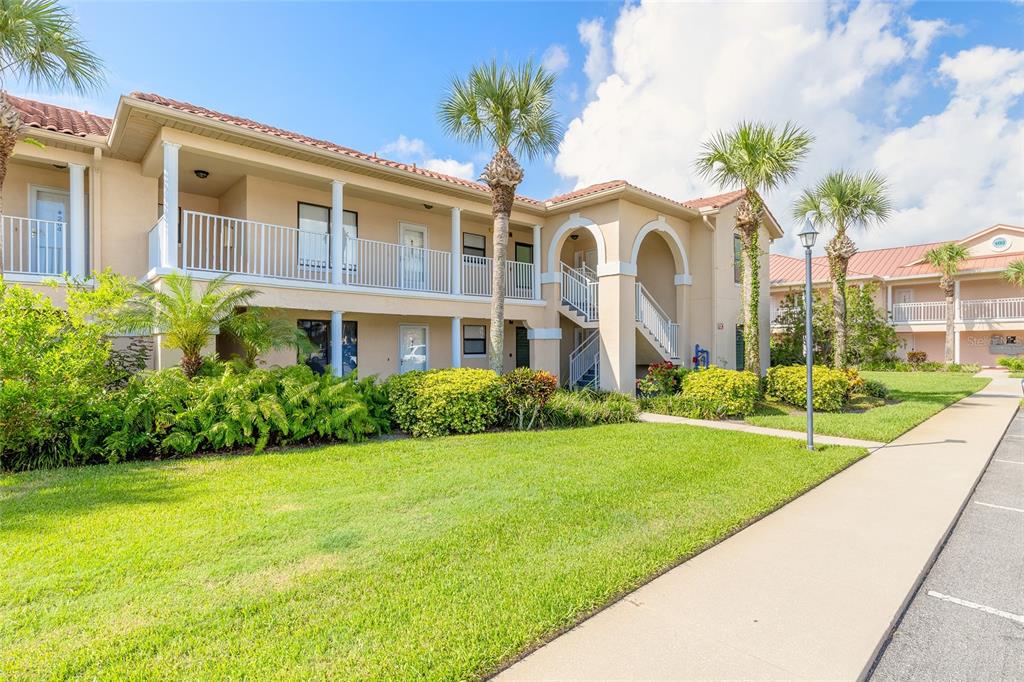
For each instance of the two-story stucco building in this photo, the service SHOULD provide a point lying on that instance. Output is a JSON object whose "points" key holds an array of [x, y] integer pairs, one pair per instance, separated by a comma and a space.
{"points": [[385, 265], [989, 310]]}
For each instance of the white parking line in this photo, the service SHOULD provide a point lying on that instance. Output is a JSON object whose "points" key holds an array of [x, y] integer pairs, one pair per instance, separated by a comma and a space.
{"points": [[999, 506], [1007, 461], [981, 607]]}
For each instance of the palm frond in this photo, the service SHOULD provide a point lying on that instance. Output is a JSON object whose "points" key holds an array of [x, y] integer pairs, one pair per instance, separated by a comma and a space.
{"points": [[843, 199], [1014, 273], [755, 156]]}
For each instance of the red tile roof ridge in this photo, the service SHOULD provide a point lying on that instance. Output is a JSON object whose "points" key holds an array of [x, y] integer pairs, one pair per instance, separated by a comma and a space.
{"points": [[59, 119]]}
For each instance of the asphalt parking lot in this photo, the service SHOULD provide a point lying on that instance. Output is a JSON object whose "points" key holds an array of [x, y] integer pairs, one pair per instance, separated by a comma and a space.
{"points": [[966, 622]]}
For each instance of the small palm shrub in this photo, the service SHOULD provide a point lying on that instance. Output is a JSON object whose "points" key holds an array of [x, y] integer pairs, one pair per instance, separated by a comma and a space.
{"points": [[524, 392], [789, 385], [444, 401], [567, 409]]}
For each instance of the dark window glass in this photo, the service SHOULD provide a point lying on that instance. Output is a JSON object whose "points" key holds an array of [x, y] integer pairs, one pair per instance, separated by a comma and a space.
{"points": [[474, 339], [319, 333], [474, 244]]}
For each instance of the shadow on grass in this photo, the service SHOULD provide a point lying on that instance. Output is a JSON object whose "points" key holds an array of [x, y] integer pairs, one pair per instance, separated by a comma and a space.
{"points": [[58, 495]]}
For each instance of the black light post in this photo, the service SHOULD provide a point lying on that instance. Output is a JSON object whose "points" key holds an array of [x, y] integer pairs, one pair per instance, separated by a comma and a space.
{"points": [[808, 235]]}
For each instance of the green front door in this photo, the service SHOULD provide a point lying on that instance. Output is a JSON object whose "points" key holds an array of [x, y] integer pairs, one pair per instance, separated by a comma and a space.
{"points": [[522, 348], [741, 349]]}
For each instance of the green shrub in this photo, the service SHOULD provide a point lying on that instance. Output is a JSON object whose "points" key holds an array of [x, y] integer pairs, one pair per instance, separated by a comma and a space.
{"points": [[789, 384], [524, 392], [928, 366], [716, 393], [1014, 364], [876, 389], [916, 357], [588, 408], [662, 378], [443, 401], [166, 413]]}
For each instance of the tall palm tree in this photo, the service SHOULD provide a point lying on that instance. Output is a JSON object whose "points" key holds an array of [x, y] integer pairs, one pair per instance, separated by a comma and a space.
{"points": [[757, 157], [185, 318], [39, 46], [511, 110], [947, 259], [842, 201], [1014, 273], [259, 332]]}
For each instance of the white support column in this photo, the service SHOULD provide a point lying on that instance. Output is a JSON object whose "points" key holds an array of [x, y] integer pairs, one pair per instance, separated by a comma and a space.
{"points": [[169, 242], [456, 252], [956, 347], [76, 264], [337, 237], [456, 342], [336, 368], [536, 262], [888, 301]]}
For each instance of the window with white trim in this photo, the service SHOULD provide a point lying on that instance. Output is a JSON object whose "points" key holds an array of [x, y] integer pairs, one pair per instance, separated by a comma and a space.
{"points": [[474, 339]]}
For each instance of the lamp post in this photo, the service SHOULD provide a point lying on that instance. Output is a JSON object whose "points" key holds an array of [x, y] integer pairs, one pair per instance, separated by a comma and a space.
{"points": [[808, 235]]}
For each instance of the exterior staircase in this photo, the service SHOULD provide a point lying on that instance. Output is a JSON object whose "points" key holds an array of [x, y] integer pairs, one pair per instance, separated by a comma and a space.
{"points": [[656, 326], [585, 363], [579, 295]]}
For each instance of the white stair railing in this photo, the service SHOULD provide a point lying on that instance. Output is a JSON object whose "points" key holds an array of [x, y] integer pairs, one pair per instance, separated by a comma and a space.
{"points": [[155, 243], [33, 247], [586, 359], [579, 291], [656, 321]]}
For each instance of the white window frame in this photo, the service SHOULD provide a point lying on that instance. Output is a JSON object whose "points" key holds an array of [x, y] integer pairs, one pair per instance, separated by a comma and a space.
{"points": [[484, 339]]}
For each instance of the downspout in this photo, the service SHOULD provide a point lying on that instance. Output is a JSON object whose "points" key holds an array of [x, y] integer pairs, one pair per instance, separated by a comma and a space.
{"points": [[714, 284]]}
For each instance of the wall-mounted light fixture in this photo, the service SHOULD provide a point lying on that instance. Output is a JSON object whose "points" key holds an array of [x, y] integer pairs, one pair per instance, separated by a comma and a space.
{"points": [[574, 237], [428, 206], [201, 174]]}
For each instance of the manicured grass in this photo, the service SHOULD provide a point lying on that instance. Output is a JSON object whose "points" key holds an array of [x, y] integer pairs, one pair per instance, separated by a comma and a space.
{"points": [[915, 397], [434, 559]]}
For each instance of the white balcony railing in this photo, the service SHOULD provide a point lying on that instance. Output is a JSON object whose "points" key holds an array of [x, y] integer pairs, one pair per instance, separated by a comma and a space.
{"points": [[929, 311], [393, 266], [992, 309], [476, 277], [245, 247], [33, 247]]}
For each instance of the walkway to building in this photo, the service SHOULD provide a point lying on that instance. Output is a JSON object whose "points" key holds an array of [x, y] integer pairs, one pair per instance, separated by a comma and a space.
{"points": [[810, 591], [762, 430]]}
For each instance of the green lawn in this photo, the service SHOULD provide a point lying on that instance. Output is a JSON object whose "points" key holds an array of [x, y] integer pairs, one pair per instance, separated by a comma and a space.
{"points": [[432, 559], [915, 397]]}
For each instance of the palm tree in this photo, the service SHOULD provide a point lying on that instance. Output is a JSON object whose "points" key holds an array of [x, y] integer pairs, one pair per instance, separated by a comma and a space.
{"points": [[757, 157], [947, 259], [186, 319], [259, 332], [39, 46], [1014, 273], [841, 201], [511, 110]]}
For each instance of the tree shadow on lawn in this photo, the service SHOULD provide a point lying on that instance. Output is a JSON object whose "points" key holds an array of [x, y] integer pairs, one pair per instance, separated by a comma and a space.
{"points": [[33, 499]]}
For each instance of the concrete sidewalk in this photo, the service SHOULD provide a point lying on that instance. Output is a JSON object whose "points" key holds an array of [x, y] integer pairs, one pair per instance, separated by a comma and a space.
{"points": [[762, 430], [810, 591]]}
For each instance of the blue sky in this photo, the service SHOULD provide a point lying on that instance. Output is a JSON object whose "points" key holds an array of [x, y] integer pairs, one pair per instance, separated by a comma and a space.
{"points": [[639, 86]]}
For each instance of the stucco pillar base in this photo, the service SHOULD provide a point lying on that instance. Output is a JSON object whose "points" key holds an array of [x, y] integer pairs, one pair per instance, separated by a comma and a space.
{"points": [[544, 356], [617, 327]]}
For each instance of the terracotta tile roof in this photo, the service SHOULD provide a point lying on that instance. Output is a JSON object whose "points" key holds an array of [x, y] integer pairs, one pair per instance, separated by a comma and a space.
{"points": [[716, 201], [60, 119], [587, 191], [312, 142]]}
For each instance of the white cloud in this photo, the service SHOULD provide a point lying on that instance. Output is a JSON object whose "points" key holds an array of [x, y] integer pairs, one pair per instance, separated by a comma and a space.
{"points": [[840, 73], [924, 31], [415, 150], [596, 66], [555, 59]]}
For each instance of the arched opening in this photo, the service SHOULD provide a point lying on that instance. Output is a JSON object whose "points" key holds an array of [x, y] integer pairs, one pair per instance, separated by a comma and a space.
{"points": [[660, 267]]}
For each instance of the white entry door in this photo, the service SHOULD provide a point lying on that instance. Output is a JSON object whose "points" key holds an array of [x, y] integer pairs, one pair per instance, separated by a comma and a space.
{"points": [[414, 256], [412, 348], [47, 239]]}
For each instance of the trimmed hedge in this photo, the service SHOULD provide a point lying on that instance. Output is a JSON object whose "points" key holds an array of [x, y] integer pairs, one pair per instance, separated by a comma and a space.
{"points": [[789, 384], [712, 393], [443, 401], [1014, 364]]}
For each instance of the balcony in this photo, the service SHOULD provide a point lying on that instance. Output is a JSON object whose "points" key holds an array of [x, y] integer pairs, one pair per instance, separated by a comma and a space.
{"points": [[33, 247], [220, 244], [970, 310]]}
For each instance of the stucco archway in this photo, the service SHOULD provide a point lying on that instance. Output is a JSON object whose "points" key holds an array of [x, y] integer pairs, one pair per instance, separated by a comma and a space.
{"points": [[575, 221], [675, 246]]}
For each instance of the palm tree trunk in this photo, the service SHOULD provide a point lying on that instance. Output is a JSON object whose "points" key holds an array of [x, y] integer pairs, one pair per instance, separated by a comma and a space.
{"points": [[950, 323], [838, 271], [747, 225], [497, 355]]}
